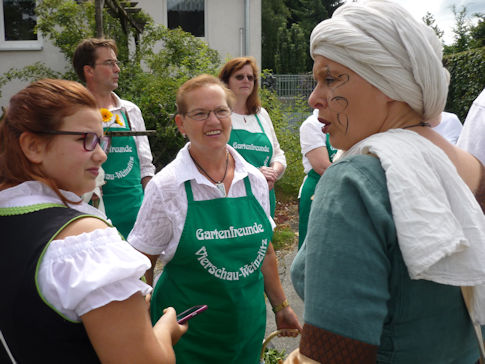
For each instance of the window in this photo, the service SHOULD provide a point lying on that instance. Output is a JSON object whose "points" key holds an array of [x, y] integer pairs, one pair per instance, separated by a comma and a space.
{"points": [[17, 23], [187, 14]]}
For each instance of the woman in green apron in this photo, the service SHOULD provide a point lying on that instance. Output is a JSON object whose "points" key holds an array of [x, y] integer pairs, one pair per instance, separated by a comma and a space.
{"points": [[253, 134], [317, 156], [206, 217]]}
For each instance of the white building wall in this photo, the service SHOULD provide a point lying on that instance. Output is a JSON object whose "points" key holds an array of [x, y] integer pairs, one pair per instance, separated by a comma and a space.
{"points": [[224, 32], [49, 55]]}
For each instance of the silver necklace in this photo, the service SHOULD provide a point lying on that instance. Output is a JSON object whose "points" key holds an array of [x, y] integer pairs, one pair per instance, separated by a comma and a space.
{"points": [[219, 184]]}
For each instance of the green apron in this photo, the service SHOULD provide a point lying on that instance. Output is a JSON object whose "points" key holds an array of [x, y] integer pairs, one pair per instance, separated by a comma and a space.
{"points": [[307, 192], [123, 192], [256, 149], [218, 263]]}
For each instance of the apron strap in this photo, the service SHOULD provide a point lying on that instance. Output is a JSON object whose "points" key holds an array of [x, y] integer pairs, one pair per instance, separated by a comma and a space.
{"points": [[124, 113], [188, 191], [259, 122], [247, 184]]}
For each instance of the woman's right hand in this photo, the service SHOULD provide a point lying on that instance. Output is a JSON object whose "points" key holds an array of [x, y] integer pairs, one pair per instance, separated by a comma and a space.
{"points": [[168, 322]]}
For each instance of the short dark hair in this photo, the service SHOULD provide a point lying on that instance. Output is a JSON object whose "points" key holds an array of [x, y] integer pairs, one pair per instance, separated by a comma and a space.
{"points": [[85, 53]]}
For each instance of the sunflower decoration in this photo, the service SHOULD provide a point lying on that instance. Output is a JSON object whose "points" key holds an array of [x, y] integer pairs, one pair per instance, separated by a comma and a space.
{"points": [[106, 115], [117, 120]]}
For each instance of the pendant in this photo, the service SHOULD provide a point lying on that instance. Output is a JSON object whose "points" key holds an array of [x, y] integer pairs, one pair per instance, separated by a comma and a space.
{"points": [[222, 188]]}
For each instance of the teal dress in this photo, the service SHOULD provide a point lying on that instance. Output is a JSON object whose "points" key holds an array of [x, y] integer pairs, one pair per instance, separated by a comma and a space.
{"points": [[354, 282]]}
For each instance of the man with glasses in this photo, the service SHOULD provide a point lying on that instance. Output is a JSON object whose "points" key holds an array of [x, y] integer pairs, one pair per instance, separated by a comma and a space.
{"points": [[129, 166]]}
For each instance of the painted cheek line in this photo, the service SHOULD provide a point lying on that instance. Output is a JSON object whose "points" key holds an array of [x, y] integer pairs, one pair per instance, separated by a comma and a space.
{"points": [[345, 122]]}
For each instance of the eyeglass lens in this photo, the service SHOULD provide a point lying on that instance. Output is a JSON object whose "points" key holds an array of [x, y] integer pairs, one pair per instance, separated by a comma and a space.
{"points": [[241, 77], [91, 139], [204, 114]]}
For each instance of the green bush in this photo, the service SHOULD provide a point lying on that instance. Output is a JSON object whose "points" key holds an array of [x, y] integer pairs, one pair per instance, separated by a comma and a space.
{"points": [[287, 118], [151, 86], [151, 74], [467, 79]]}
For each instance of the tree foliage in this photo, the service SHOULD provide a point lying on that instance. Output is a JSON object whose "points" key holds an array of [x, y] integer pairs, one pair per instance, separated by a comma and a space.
{"points": [[467, 71], [150, 75], [430, 21], [287, 26]]}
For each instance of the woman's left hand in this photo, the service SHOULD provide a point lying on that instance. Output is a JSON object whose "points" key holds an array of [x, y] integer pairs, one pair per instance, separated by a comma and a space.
{"points": [[287, 319], [270, 174]]}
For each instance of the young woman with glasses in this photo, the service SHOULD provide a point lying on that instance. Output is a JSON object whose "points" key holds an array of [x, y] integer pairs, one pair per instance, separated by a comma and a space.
{"points": [[205, 216], [253, 134], [71, 286]]}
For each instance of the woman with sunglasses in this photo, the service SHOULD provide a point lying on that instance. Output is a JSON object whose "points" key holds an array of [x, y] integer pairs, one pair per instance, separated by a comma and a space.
{"points": [[71, 285], [253, 134], [205, 216]]}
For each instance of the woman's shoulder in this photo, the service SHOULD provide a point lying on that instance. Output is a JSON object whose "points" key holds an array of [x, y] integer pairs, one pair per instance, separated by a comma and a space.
{"points": [[362, 170], [82, 225]]}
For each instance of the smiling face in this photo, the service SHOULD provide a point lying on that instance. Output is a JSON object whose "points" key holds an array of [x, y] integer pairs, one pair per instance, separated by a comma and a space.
{"points": [[244, 86], [212, 134], [350, 108], [64, 158]]}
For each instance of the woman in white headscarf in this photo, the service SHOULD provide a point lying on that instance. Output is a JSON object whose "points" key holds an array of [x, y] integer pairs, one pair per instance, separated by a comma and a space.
{"points": [[381, 278]]}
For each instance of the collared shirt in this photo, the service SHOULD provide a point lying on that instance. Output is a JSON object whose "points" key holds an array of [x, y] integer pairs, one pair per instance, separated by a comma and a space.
{"points": [[137, 124], [161, 218], [311, 137]]}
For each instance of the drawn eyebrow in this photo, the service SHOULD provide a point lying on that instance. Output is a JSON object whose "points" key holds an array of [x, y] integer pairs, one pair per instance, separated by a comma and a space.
{"points": [[323, 72]]}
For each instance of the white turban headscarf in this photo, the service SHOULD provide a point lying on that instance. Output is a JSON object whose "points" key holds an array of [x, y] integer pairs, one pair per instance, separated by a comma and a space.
{"points": [[381, 42]]}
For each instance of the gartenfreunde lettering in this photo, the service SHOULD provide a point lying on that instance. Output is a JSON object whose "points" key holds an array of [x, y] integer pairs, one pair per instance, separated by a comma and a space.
{"points": [[230, 233], [258, 148], [222, 273], [122, 149]]}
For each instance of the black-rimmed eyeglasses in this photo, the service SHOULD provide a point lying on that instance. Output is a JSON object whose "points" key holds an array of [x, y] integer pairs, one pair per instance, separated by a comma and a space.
{"points": [[201, 115], [90, 139]]}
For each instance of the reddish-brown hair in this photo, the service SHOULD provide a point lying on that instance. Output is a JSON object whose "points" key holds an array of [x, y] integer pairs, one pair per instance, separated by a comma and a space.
{"points": [[253, 103], [41, 106], [198, 82]]}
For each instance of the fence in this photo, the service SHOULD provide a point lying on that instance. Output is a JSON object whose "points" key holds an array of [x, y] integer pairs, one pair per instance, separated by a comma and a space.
{"points": [[292, 86]]}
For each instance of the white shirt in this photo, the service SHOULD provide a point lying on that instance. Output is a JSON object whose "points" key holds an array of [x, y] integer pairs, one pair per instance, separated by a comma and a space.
{"points": [[137, 124], [450, 127], [161, 218], [311, 137], [86, 271], [472, 137], [250, 124]]}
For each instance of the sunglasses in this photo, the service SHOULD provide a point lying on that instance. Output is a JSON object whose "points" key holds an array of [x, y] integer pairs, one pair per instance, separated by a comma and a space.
{"points": [[90, 139], [241, 77]]}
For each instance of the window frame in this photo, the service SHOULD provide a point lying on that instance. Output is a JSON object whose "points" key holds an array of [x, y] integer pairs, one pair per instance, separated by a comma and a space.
{"points": [[205, 19], [17, 45]]}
